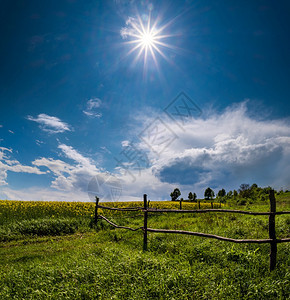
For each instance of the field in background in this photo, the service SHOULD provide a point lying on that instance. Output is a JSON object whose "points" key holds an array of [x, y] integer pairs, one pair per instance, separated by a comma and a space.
{"points": [[53, 250], [11, 211]]}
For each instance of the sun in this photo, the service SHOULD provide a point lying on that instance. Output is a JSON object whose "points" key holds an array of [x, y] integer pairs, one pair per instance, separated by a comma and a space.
{"points": [[146, 39]]}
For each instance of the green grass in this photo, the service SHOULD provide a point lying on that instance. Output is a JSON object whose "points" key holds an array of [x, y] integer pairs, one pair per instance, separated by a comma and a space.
{"points": [[283, 198], [67, 258], [38, 227]]}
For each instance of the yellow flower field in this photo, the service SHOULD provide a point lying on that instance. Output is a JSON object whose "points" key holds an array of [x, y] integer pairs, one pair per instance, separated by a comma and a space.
{"points": [[15, 210], [20, 210]]}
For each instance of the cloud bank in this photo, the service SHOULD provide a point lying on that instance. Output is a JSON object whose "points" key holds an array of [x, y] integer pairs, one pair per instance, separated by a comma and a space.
{"points": [[224, 150], [220, 150]]}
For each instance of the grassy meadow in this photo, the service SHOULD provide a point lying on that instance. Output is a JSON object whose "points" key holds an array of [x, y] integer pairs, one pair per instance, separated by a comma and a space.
{"points": [[53, 250]]}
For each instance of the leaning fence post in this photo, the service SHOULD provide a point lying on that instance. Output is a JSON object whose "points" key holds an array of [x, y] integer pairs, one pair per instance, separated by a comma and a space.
{"points": [[145, 223], [96, 210], [272, 232]]}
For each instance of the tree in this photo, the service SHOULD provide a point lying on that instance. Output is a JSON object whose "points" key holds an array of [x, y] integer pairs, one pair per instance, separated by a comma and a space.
{"points": [[175, 194], [209, 193], [235, 194], [244, 190], [244, 187], [190, 196], [267, 190], [221, 193]]}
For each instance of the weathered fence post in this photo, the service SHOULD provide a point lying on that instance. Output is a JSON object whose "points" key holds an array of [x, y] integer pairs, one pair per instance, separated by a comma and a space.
{"points": [[96, 210], [198, 204], [272, 232], [145, 223], [211, 205], [180, 204]]}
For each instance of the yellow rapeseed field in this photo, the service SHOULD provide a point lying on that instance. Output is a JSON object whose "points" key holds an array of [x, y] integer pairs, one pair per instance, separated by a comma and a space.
{"points": [[19, 210]]}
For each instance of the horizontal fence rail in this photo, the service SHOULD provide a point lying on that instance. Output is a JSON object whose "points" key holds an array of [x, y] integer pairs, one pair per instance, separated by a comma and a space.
{"points": [[221, 238], [121, 209], [272, 233], [158, 210], [218, 210]]}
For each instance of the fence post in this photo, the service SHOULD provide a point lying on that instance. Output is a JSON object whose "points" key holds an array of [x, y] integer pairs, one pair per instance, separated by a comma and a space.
{"points": [[198, 204], [180, 204], [145, 223], [96, 210], [211, 205], [272, 232]]}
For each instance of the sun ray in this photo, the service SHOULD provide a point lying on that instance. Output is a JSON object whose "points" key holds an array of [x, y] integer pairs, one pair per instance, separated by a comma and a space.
{"points": [[146, 39]]}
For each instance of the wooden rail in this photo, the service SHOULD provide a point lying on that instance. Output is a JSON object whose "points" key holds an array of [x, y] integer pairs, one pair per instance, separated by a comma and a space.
{"points": [[152, 210], [157, 210], [117, 226], [121, 209], [272, 231], [217, 237]]}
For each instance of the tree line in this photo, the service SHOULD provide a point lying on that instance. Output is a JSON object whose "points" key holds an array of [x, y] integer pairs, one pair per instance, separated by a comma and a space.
{"points": [[245, 194]]}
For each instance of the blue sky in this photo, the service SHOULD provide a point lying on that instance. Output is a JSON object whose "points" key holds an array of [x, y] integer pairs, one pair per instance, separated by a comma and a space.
{"points": [[83, 112]]}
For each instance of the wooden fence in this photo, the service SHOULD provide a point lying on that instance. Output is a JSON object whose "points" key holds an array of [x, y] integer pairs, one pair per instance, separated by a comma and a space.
{"points": [[273, 241]]}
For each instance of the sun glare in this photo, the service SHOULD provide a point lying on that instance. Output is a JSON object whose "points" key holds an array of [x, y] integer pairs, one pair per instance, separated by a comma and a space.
{"points": [[146, 38]]}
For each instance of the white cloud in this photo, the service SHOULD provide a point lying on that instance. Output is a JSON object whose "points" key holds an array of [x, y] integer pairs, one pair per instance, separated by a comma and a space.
{"points": [[58, 167], [131, 29], [94, 103], [69, 177], [135, 184], [50, 124], [12, 165], [73, 154], [92, 107], [2, 153], [125, 143], [38, 142], [11, 131], [42, 194], [93, 114], [223, 150], [69, 181]]}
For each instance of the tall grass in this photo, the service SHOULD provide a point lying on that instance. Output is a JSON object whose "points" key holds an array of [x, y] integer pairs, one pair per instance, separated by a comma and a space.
{"points": [[55, 253]]}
